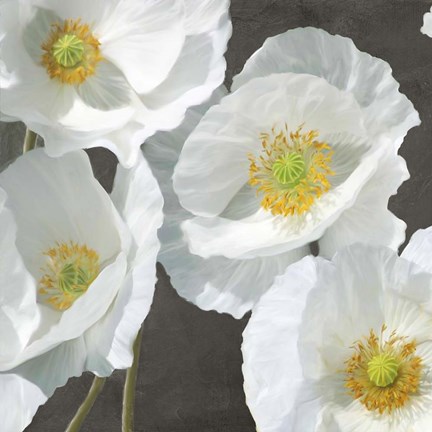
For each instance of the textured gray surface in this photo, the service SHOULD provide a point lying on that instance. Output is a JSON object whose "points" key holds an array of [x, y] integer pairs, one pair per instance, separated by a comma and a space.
{"points": [[190, 376]]}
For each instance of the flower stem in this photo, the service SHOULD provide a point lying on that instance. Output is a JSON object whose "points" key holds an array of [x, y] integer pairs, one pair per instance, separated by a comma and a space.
{"points": [[129, 388], [29, 140], [86, 406]]}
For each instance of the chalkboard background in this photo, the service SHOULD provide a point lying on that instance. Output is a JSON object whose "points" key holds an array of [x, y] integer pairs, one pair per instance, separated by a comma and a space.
{"points": [[190, 372]]}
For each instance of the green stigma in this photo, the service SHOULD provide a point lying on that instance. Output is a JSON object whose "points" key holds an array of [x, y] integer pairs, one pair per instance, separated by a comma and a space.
{"points": [[74, 279], [289, 169], [383, 370], [68, 50]]}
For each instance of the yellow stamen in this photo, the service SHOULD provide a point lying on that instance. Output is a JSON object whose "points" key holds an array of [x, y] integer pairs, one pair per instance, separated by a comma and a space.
{"points": [[71, 52], [383, 375], [69, 271], [292, 171]]}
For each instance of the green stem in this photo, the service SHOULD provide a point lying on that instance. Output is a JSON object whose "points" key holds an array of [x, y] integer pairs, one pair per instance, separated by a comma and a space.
{"points": [[86, 406], [129, 388], [29, 140]]}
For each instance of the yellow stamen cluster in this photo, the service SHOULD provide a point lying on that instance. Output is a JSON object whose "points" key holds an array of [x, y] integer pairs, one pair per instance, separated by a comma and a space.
{"points": [[383, 375], [292, 171], [69, 271], [71, 52]]}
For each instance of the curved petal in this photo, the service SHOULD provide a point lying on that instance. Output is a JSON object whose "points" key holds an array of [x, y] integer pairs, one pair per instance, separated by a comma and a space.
{"points": [[242, 282], [106, 90], [22, 401], [427, 24], [203, 16], [37, 24], [362, 289], [137, 197], [419, 249], [94, 12], [84, 313], [123, 134], [272, 367], [186, 86], [263, 234], [164, 148], [217, 283], [136, 33], [368, 220], [31, 384], [19, 315], [59, 200], [30, 95], [337, 60], [214, 163]]}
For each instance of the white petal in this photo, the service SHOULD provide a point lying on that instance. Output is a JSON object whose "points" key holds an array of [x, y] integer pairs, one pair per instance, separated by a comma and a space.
{"points": [[37, 25], [92, 13], [30, 385], [427, 24], [368, 220], [59, 200], [185, 85], [336, 59], [124, 141], [31, 95], [84, 313], [137, 197], [106, 90], [348, 302], [217, 283], [203, 16], [419, 249], [19, 315], [241, 283], [83, 119], [143, 40], [263, 234], [272, 368], [164, 148], [348, 415], [21, 403], [214, 163]]}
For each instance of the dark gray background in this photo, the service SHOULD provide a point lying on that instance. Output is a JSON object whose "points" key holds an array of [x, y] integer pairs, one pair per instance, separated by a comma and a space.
{"points": [[190, 373]]}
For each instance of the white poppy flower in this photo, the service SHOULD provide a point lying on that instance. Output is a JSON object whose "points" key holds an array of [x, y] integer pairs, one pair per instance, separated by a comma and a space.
{"points": [[427, 24], [200, 280], [345, 345], [77, 274], [108, 72], [287, 159]]}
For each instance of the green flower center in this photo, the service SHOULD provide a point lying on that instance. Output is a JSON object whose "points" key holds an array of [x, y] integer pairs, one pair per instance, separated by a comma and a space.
{"points": [[383, 369], [69, 271], [289, 169], [68, 51]]}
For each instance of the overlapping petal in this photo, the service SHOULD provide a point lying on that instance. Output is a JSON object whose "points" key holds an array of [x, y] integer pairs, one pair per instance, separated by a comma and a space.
{"points": [[141, 84], [209, 175], [50, 202], [303, 80], [302, 332], [137, 197], [240, 284], [337, 60]]}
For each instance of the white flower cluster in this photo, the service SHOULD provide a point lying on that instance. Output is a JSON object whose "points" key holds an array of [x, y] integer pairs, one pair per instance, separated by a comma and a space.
{"points": [[300, 156]]}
